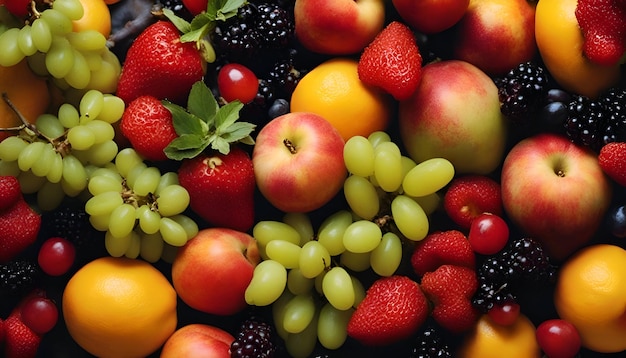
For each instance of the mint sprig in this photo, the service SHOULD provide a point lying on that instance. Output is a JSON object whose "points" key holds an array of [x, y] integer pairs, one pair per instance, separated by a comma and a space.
{"points": [[204, 124]]}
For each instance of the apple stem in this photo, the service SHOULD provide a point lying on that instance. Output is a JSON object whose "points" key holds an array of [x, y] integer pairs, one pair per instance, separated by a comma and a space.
{"points": [[290, 146]]}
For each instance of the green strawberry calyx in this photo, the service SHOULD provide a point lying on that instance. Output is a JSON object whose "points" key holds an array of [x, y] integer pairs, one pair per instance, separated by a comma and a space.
{"points": [[205, 124]]}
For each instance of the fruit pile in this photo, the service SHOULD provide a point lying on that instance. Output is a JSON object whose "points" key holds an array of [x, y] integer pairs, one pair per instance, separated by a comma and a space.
{"points": [[300, 178]]}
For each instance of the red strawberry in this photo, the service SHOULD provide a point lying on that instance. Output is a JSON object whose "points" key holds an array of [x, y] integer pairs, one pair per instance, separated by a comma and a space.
{"points": [[20, 341], [159, 64], [603, 24], [441, 248], [612, 160], [221, 188], [2, 332], [147, 124], [19, 226], [450, 289], [393, 310], [10, 191], [392, 61], [471, 195]]}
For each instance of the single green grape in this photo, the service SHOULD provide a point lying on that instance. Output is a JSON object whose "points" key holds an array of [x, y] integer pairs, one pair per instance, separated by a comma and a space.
{"points": [[122, 220], [428, 177], [358, 155], [11, 53], [337, 288], [284, 252], [362, 236], [313, 259], [387, 256], [268, 282], [362, 196], [409, 218], [299, 312], [332, 326]]}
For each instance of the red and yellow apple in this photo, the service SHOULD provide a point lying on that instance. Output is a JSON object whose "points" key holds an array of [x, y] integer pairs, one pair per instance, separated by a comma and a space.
{"points": [[211, 271], [298, 162], [496, 35], [198, 340], [431, 16], [455, 114], [338, 27], [555, 191]]}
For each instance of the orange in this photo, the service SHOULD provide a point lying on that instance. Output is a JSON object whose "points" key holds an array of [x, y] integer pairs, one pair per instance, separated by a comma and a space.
{"points": [[334, 91], [27, 91], [591, 294], [119, 307], [97, 16], [490, 340], [560, 44]]}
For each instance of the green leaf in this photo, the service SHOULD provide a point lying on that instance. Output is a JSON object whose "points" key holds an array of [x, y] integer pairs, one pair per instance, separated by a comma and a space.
{"points": [[229, 9], [185, 122], [186, 146], [181, 24], [238, 132], [201, 102], [221, 145], [227, 115]]}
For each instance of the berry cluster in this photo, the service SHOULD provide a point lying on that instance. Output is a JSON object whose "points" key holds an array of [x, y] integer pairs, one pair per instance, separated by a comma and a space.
{"points": [[254, 339]]}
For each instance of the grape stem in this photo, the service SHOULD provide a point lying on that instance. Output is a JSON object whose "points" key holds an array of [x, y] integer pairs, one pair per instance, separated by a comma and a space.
{"points": [[25, 124]]}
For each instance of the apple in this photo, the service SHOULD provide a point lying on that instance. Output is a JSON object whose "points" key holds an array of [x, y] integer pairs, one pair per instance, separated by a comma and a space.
{"points": [[496, 35], [454, 114], [198, 340], [211, 271], [431, 16], [338, 27], [555, 191], [298, 162]]}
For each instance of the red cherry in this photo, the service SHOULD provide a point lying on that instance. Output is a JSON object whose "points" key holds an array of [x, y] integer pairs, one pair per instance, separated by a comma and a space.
{"points": [[505, 314], [558, 338], [19, 8], [488, 234], [40, 314], [56, 256], [237, 82], [195, 6]]}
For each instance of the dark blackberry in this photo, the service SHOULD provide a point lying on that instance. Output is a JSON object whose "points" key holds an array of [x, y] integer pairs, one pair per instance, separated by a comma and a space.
{"points": [[18, 277], [522, 91], [176, 6], [237, 38], [70, 222], [254, 339], [275, 25], [430, 344], [285, 77]]}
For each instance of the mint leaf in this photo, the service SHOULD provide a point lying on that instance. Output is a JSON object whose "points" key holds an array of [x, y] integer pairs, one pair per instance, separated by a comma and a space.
{"points": [[227, 115], [201, 102], [221, 145], [181, 24], [186, 146], [238, 132], [229, 9], [185, 122]]}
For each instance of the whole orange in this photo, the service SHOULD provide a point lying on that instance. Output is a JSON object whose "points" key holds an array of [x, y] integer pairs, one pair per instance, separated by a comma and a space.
{"points": [[591, 293], [97, 16], [119, 307], [334, 91]]}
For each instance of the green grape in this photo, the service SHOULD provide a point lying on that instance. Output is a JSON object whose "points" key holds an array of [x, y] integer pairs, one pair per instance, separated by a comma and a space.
{"points": [[187, 223], [117, 246], [302, 223], [169, 253], [79, 75], [173, 200], [122, 220], [58, 22], [50, 196], [91, 105], [25, 41], [37, 64], [428, 177], [41, 166], [29, 155], [105, 79], [167, 179], [332, 326], [11, 53], [134, 173], [108, 170], [284, 252], [126, 160], [102, 153], [72, 9], [313, 259], [81, 137], [386, 257], [74, 173], [60, 57], [330, 232], [357, 262], [11, 147], [151, 247], [172, 232], [407, 165], [278, 312], [149, 220], [49, 125], [9, 168], [147, 181], [103, 203], [99, 184], [298, 284], [388, 166], [68, 115], [317, 283], [268, 230], [29, 182], [361, 196], [409, 217], [268, 283], [100, 222], [103, 131], [94, 60], [299, 312], [359, 291], [302, 345], [358, 155], [87, 40], [337, 288], [362, 236], [430, 203], [378, 137], [134, 247], [112, 109], [56, 169]]}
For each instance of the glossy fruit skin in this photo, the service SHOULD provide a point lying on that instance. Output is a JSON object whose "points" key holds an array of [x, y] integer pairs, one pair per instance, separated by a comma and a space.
{"points": [[56, 256], [431, 16], [19, 8], [558, 338], [195, 6], [505, 314], [237, 82], [40, 314], [488, 234], [617, 221]]}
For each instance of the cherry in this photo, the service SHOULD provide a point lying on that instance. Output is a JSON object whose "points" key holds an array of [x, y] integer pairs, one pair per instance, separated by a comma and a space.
{"points": [[488, 234], [504, 314], [237, 82], [40, 314], [19, 8], [558, 338], [56, 256]]}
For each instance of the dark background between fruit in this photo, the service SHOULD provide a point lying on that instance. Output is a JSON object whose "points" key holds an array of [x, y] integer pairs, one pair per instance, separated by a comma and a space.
{"points": [[536, 302]]}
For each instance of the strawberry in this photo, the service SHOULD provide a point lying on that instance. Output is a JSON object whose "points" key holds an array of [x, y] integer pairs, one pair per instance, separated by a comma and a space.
{"points": [[392, 61], [219, 178], [603, 24], [441, 248], [450, 289], [393, 310], [10, 191], [2, 332], [147, 125], [20, 341], [471, 195], [19, 226], [612, 160]]}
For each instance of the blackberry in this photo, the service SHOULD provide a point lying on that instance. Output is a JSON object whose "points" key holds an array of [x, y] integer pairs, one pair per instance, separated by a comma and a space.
{"points": [[237, 38], [70, 222], [285, 77], [430, 344], [522, 91], [274, 25], [254, 339], [18, 277]]}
